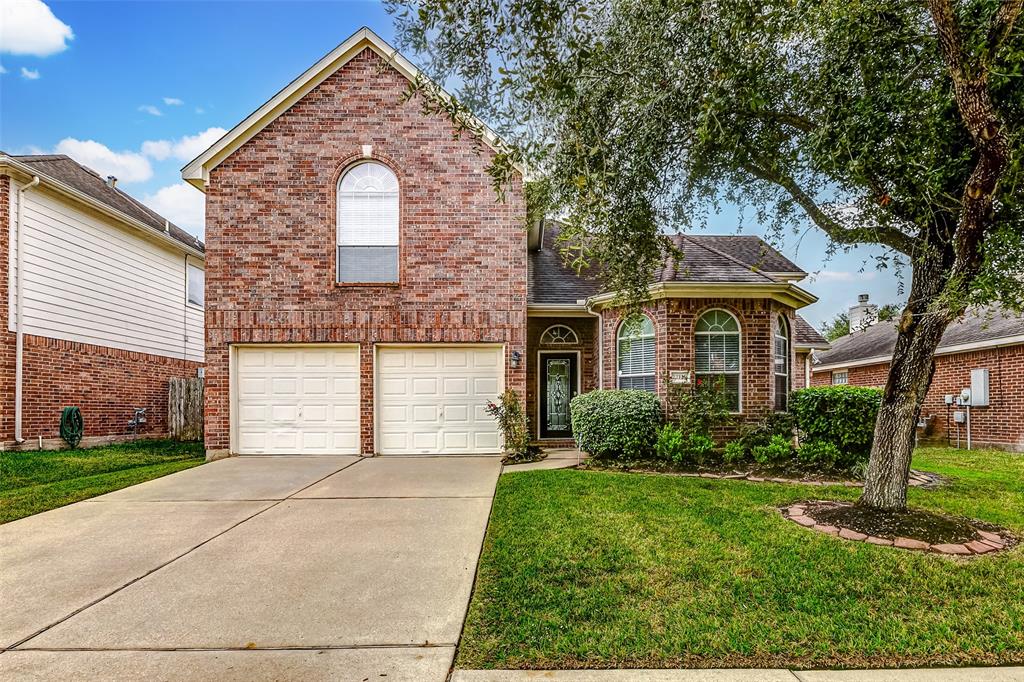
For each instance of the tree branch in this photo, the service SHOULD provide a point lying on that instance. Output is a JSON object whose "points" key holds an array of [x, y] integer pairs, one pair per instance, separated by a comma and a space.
{"points": [[890, 237], [1002, 24], [982, 122]]}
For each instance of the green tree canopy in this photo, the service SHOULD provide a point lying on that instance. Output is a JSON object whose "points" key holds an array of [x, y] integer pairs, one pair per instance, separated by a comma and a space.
{"points": [[895, 123]]}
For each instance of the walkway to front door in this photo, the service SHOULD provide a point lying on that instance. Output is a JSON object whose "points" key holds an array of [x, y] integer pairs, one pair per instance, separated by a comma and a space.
{"points": [[251, 568]]}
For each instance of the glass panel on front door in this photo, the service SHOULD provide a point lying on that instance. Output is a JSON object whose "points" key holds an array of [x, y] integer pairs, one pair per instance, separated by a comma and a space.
{"points": [[558, 394]]}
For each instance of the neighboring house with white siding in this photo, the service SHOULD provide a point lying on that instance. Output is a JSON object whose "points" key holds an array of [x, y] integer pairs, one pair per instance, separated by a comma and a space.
{"points": [[108, 303]]}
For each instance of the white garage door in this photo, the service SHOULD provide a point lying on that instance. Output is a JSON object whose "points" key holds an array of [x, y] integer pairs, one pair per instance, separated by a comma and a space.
{"points": [[297, 400], [432, 400]]}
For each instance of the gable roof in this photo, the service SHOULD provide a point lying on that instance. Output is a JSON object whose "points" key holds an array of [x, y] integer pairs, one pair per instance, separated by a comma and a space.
{"points": [[60, 171], [197, 171], [706, 259], [979, 327], [806, 336]]}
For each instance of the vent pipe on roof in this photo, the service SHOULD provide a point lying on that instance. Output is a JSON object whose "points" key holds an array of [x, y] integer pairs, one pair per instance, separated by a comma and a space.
{"points": [[111, 182]]}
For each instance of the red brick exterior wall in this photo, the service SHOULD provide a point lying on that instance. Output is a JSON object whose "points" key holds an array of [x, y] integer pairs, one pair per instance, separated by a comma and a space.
{"points": [[271, 236], [586, 333], [106, 383], [1000, 424], [674, 322]]}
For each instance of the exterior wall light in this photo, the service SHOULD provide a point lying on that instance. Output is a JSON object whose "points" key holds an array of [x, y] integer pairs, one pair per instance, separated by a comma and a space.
{"points": [[517, 358]]}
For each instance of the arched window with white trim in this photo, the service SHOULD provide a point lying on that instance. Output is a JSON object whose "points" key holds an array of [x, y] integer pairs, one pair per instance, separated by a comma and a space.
{"points": [[559, 335], [717, 343], [781, 363], [368, 225], [636, 353]]}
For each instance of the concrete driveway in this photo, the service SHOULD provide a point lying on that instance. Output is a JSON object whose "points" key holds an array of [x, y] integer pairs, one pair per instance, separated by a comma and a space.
{"points": [[251, 568]]}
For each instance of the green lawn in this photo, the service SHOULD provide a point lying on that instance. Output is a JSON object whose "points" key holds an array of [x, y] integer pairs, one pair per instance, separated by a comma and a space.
{"points": [[592, 569], [34, 481]]}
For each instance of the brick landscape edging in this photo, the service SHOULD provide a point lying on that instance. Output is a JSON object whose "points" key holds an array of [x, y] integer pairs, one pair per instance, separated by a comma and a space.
{"points": [[984, 543]]}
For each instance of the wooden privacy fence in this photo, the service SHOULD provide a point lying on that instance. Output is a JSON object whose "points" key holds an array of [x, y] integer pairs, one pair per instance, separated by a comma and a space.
{"points": [[185, 408]]}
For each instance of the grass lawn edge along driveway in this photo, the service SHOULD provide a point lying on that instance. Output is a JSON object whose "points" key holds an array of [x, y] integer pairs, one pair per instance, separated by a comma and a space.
{"points": [[34, 481], [592, 569]]}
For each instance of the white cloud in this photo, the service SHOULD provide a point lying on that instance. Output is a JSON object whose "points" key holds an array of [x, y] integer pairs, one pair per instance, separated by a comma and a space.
{"points": [[182, 204], [173, 101], [2, 69], [29, 27], [151, 110], [183, 149], [200, 110], [30, 74], [125, 166]]}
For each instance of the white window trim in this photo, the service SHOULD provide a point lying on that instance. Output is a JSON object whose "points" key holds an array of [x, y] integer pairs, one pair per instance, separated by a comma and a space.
{"points": [[619, 375], [782, 324], [572, 332], [845, 373], [188, 288], [338, 228], [739, 370]]}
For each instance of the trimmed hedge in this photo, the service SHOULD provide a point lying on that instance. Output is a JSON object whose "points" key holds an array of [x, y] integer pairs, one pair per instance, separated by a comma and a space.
{"points": [[841, 415], [616, 424]]}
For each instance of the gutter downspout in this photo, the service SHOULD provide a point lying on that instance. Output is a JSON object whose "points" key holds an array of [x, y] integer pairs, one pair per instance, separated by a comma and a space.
{"points": [[600, 346], [20, 315]]}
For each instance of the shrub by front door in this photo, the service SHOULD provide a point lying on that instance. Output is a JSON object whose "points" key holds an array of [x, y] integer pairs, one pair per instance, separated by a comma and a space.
{"points": [[558, 385]]}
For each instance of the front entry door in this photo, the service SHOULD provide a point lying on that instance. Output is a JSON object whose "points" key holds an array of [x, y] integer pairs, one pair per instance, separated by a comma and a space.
{"points": [[557, 388]]}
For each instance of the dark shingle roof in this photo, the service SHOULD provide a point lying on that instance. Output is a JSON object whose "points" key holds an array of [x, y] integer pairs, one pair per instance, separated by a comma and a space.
{"points": [[705, 258], [65, 170], [806, 335], [549, 280], [985, 324]]}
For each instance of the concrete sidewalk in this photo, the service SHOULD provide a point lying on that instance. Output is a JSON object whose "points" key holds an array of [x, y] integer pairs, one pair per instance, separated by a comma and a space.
{"points": [[745, 675], [249, 569]]}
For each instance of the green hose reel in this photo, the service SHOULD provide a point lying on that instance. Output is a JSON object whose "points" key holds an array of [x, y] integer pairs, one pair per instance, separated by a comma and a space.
{"points": [[71, 426]]}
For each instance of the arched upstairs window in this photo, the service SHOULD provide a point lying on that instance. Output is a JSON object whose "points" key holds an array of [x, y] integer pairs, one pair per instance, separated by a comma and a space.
{"points": [[781, 363], [636, 353], [717, 342], [368, 225], [559, 335]]}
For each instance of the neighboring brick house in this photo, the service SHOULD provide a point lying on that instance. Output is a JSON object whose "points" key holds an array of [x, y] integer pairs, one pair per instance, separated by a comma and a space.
{"points": [[111, 306], [986, 339], [367, 292]]}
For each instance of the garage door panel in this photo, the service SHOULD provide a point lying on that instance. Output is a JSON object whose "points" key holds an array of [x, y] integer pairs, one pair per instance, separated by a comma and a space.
{"points": [[297, 400], [425, 386], [428, 400]]}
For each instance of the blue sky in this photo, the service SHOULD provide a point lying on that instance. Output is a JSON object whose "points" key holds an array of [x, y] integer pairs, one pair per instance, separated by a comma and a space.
{"points": [[137, 89]]}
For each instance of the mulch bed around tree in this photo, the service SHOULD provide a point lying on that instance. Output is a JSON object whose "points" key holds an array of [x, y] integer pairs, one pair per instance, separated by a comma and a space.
{"points": [[912, 529]]}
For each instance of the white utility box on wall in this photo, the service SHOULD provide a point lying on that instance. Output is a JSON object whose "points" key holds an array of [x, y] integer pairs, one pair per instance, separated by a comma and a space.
{"points": [[979, 388]]}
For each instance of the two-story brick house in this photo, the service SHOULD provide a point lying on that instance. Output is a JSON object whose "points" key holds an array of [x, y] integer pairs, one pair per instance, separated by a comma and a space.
{"points": [[368, 292]]}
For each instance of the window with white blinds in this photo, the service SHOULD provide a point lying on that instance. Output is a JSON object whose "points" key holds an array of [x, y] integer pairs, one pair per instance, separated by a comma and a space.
{"points": [[717, 345], [368, 225], [781, 363], [636, 353]]}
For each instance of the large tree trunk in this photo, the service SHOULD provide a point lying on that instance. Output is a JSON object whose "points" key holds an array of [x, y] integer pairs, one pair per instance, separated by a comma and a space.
{"points": [[910, 375]]}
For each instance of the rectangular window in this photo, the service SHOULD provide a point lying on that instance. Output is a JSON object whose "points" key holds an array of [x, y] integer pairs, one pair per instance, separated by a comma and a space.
{"points": [[840, 378], [636, 363], [196, 285]]}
